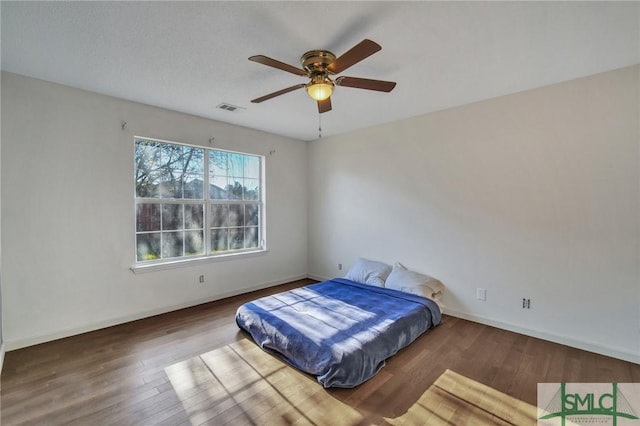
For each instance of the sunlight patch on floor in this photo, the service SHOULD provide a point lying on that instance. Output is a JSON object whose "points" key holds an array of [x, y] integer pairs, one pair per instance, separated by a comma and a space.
{"points": [[240, 383], [456, 399]]}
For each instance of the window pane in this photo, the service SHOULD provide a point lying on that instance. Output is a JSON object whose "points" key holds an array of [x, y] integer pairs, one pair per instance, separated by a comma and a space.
{"points": [[147, 153], [146, 184], [218, 188], [251, 189], [236, 215], [172, 243], [251, 237], [171, 216], [193, 187], [219, 215], [193, 243], [251, 167], [149, 187], [251, 214], [166, 170], [193, 216], [219, 240], [193, 160], [147, 157], [147, 217], [148, 246], [235, 190], [218, 163], [236, 165], [172, 157], [171, 184], [236, 238]]}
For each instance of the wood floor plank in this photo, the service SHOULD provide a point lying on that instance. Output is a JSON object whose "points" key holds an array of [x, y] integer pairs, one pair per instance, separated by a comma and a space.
{"points": [[194, 366]]}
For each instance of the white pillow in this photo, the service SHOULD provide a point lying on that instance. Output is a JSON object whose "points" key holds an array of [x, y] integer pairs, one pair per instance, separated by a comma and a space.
{"points": [[370, 272], [413, 282]]}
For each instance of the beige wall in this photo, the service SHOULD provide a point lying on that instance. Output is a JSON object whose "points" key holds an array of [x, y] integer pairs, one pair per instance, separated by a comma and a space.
{"points": [[532, 195], [1, 338]]}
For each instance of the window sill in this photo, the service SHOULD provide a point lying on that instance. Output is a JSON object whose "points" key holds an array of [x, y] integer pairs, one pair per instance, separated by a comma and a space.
{"points": [[163, 266]]}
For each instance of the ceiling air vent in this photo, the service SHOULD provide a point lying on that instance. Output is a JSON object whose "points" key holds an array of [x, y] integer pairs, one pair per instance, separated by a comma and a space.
{"points": [[229, 107]]}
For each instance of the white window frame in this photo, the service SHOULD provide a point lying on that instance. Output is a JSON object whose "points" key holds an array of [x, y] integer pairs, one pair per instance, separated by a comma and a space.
{"points": [[207, 202]]}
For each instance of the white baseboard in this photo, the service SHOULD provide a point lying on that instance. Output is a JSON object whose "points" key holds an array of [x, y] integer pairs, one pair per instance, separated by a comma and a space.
{"points": [[318, 277], [552, 337], [11, 345]]}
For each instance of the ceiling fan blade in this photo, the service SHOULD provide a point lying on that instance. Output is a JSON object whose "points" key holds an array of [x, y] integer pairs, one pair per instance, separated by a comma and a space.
{"points": [[365, 83], [264, 60], [278, 93], [324, 106], [360, 51]]}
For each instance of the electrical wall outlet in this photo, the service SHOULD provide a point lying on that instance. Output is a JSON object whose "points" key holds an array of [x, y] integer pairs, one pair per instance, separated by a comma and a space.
{"points": [[526, 303], [201, 278], [339, 266], [481, 294]]}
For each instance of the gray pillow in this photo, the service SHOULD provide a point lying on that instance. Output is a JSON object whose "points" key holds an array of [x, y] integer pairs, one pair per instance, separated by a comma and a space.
{"points": [[413, 282], [370, 272]]}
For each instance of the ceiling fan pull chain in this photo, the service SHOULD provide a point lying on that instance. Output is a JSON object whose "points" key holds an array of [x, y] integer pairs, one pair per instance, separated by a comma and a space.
{"points": [[319, 126]]}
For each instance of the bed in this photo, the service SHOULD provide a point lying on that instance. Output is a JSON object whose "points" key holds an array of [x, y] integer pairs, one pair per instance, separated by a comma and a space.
{"points": [[340, 331]]}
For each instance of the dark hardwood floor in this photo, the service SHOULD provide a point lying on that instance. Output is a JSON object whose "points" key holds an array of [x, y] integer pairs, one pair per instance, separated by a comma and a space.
{"points": [[194, 366]]}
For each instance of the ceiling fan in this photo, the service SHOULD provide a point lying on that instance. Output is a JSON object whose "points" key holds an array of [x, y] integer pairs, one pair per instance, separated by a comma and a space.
{"points": [[319, 65]]}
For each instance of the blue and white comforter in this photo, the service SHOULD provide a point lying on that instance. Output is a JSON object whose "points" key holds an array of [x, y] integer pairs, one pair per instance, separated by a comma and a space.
{"points": [[338, 330]]}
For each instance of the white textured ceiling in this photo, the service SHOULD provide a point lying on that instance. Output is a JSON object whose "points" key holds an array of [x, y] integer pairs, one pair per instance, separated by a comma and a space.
{"points": [[192, 56]]}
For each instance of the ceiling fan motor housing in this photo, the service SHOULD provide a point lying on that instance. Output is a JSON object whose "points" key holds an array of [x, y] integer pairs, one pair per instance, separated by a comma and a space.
{"points": [[317, 61]]}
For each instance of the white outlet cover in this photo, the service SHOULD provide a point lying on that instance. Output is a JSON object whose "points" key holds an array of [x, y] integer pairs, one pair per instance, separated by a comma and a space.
{"points": [[481, 294]]}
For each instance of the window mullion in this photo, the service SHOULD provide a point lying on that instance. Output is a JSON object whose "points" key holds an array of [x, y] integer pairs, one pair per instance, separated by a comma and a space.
{"points": [[206, 221], [162, 235], [183, 209]]}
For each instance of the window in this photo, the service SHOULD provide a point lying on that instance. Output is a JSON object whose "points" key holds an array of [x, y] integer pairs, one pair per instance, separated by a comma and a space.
{"points": [[195, 202]]}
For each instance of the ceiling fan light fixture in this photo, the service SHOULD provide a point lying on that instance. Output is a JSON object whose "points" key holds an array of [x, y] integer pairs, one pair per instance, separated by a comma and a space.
{"points": [[320, 90]]}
